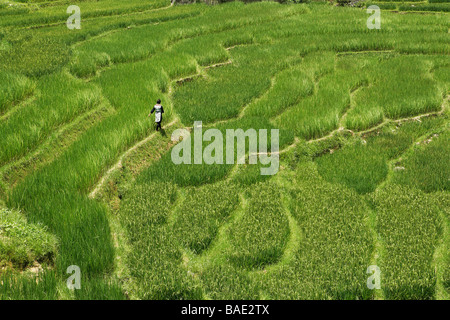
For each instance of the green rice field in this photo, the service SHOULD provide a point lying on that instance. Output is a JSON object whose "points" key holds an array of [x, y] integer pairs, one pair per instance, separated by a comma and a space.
{"points": [[364, 139]]}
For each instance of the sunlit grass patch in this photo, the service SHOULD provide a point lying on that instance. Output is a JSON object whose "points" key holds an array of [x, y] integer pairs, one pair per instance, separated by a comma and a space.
{"points": [[224, 231], [319, 114], [13, 88], [22, 243], [427, 168], [399, 87], [61, 100]]}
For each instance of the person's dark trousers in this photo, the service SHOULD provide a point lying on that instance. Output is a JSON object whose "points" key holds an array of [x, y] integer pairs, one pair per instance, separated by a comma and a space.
{"points": [[158, 126]]}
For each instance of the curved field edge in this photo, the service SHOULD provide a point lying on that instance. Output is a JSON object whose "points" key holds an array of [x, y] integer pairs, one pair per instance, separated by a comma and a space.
{"points": [[211, 278]]}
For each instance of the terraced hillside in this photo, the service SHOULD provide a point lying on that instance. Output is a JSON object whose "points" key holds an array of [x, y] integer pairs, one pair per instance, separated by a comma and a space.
{"points": [[364, 149]]}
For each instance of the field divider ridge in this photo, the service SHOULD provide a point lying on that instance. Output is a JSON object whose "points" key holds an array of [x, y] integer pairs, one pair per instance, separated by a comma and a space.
{"points": [[19, 105], [118, 164], [55, 24], [215, 250], [378, 247], [28, 161], [171, 42], [295, 234], [259, 97], [370, 130]]}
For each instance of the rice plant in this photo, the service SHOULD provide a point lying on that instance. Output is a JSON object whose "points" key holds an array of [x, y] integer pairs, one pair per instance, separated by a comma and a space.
{"points": [[359, 181], [409, 225], [259, 236]]}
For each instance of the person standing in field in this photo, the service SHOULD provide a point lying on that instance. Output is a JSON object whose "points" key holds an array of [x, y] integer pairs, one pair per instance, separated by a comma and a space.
{"points": [[158, 110]]}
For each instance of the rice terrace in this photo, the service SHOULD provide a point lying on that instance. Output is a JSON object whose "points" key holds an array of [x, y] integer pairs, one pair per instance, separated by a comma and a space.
{"points": [[351, 103]]}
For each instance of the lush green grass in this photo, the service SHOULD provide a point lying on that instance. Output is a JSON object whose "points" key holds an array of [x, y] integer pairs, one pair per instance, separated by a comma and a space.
{"points": [[61, 100], [16, 287], [13, 89], [409, 225], [228, 282], [154, 258], [21, 243], [442, 254], [426, 7], [315, 116], [391, 89], [413, 5], [427, 167], [258, 238], [363, 163], [225, 231], [31, 55], [290, 86], [41, 14], [100, 289], [203, 211], [222, 89], [331, 258]]}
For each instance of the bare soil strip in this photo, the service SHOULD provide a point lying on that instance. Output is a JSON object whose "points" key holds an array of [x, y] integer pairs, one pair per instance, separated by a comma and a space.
{"points": [[118, 164]]}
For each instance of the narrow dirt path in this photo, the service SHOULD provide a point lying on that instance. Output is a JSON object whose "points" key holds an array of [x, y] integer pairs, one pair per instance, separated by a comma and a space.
{"points": [[118, 164], [370, 130]]}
